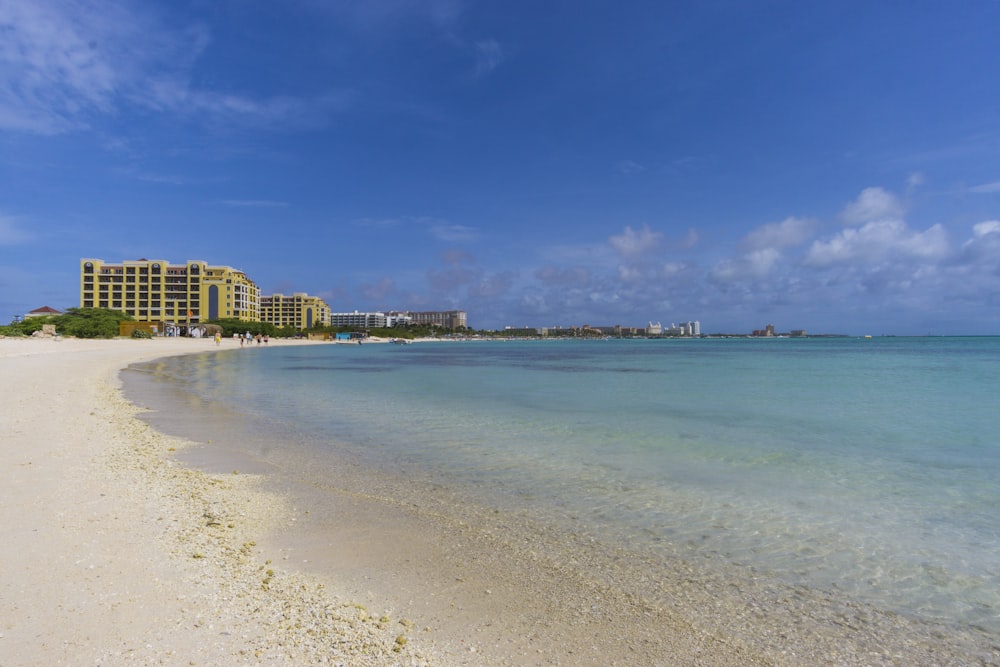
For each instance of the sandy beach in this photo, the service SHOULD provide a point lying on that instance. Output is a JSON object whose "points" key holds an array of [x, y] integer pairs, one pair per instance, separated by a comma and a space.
{"points": [[116, 553]]}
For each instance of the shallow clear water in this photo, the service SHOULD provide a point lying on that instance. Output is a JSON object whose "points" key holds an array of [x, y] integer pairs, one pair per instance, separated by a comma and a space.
{"points": [[865, 466]]}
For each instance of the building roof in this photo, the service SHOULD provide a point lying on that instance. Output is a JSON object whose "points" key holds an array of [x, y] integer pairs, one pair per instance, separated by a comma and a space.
{"points": [[45, 310]]}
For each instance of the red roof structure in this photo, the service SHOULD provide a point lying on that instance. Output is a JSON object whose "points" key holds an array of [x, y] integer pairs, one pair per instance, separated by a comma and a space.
{"points": [[45, 310]]}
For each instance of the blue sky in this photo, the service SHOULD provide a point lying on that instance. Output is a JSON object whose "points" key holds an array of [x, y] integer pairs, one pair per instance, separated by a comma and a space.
{"points": [[828, 166]]}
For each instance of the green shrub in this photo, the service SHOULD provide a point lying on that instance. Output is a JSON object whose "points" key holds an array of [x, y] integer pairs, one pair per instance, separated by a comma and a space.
{"points": [[90, 322]]}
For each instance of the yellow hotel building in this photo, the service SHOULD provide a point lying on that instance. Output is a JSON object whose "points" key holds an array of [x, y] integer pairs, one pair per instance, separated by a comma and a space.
{"points": [[153, 290], [300, 311]]}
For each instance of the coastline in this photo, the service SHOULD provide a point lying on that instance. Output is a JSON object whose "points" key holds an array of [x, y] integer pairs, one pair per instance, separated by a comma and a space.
{"points": [[115, 554], [121, 554]]}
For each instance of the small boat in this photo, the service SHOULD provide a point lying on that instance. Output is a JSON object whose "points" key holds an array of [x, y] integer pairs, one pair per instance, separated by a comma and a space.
{"points": [[400, 341]]}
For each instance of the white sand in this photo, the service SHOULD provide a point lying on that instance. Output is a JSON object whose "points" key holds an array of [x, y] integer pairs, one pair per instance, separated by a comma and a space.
{"points": [[112, 554]]}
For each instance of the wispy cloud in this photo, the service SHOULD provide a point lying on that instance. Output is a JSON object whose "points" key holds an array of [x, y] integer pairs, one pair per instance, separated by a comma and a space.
{"points": [[57, 63], [489, 55], [442, 230], [11, 232], [493, 286], [632, 243], [629, 168], [455, 276], [986, 188], [377, 15], [377, 223], [253, 203], [159, 178], [574, 276], [380, 290], [754, 265], [791, 231], [453, 233], [62, 65]]}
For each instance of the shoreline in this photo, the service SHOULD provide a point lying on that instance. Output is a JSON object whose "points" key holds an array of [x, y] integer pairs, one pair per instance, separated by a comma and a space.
{"points": [[520, 588], [134, 557]]}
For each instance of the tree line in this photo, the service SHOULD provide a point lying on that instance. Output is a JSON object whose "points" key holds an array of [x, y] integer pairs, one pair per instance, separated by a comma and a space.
{"points": [[103, 323]]}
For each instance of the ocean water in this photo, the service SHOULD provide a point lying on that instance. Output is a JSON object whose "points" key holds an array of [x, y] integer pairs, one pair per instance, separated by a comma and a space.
{"points": [[869, 468]]}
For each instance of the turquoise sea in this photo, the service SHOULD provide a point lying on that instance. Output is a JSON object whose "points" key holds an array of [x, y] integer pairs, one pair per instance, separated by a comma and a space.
{"points": [[867, 468]]}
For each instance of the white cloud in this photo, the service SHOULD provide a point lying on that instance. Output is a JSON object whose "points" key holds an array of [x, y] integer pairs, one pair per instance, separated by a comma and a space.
{"points": [[931, 244], [876, 241], [984, 246], [981, 229], [632, 243], [871, 205], [789, 232]]}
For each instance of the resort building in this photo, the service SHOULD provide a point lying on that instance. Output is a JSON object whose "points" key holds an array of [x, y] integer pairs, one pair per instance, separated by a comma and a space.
{"points": [[176, 295], [358, 320], [299, 311], [447, 319]]}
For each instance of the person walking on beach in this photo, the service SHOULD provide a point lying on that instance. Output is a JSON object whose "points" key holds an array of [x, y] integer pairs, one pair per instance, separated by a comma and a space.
{"points": [[218, 337]]}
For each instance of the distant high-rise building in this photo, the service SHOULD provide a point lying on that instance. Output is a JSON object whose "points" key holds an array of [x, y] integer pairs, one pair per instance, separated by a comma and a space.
{"points": [[690, 328]]}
